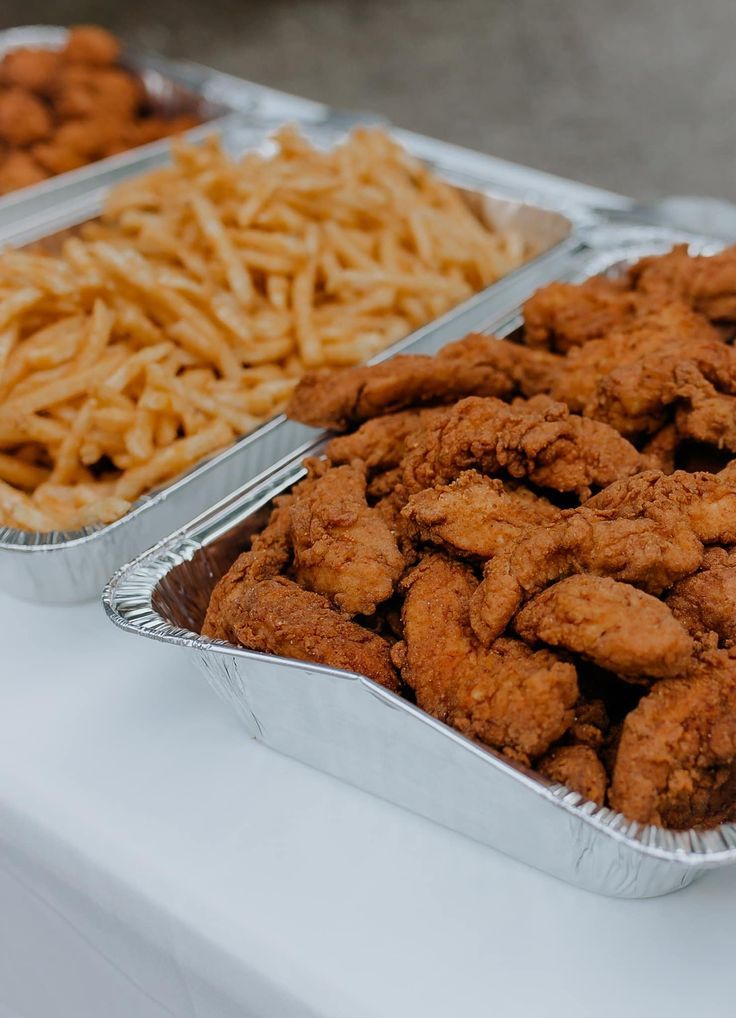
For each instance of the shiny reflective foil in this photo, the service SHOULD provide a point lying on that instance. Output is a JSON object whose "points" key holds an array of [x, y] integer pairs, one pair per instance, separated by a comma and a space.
{"points": [[348, 726], [75, 566]]}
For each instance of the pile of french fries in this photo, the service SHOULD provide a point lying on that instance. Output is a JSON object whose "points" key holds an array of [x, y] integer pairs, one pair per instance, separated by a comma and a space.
{"points": [[184, 316]]}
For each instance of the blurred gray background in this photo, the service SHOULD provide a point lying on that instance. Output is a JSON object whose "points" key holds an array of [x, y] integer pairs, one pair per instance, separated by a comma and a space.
{"points": [[634, 96]]}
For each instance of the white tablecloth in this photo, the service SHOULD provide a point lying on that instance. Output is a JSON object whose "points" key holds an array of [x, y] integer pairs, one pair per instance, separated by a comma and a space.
{"points": [[155, 861]]}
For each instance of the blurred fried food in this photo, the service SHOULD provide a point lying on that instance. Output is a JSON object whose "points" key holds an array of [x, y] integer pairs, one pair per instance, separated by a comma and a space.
{"points": [[62, 109]]}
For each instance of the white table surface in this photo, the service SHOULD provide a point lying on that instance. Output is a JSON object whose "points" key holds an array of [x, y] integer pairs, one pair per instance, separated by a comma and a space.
{"points": [[155, 861]]}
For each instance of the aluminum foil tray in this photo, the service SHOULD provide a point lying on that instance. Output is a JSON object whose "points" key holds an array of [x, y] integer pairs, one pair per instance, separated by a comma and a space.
{"points": [[350, 727], [173, 87], [74, 566]]}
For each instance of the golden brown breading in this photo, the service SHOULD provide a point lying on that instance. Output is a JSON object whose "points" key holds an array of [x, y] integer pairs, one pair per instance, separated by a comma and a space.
{"points": [[580, 373], [476, 515], [552, 447], [652, 551], [268, 555], [561, 316], [342, 548], [708, 283], [509, 697], [610, 623], [341, 399], [634, 398], [708, 500], [676, 760], [279, 617], [579, 769], [706, 602], [380, 442]]}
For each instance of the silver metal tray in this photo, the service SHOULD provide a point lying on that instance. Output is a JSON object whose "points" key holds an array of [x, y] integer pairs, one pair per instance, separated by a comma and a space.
{"points": [[173, 87], [350, 727], [73, 566]]}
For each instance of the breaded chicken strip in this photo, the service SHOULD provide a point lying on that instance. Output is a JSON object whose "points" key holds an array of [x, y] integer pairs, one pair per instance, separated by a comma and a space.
{"points": [[269, 555], [579, 769], [342, 399], [476, 515], [652, 553], [578, 375], [277, 617], [342, 548], [561, 316], [705, 603], [708, 283], [509, 697], [635, 397], [707, 500], [620, 628], [676, 761], [381, 442], [552, 447]]}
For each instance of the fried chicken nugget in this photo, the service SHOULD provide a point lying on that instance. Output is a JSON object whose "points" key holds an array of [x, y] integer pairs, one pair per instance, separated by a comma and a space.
{"points": [[550, 446], [342, 548], [705, 603], [579, 769], [652, 552], [19, 169], [341, 399], [31, 69], [562, 316], [509, 697], [23, 118], [620, 628], [676, 760], [90, 44], [476, 515], [277, 616]]}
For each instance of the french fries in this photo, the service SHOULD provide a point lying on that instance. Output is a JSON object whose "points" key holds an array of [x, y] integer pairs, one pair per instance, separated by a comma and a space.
{"points": [[184, 316]]}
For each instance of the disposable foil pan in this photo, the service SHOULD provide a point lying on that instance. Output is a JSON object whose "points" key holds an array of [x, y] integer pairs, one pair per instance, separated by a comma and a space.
{"points": [[73, 566], [173, 87], [349, 726]]}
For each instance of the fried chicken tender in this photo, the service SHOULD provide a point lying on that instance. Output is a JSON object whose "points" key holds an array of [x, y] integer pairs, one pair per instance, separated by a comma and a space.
{"points": [[342, 548], [476, 515], [268, 556], [635, 397], [579, 374], [651, 551], [707, 500], [277, 616], [341, 399], [610, 623], [707, 282], [381, 442], [562, 316], [551, 447], [676, 760], [705, 603], [510, 697], [579, 769]]}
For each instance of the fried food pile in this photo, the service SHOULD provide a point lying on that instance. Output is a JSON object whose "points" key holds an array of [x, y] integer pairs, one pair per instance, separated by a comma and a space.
{"points": [[62, 109], [504, 534]]}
